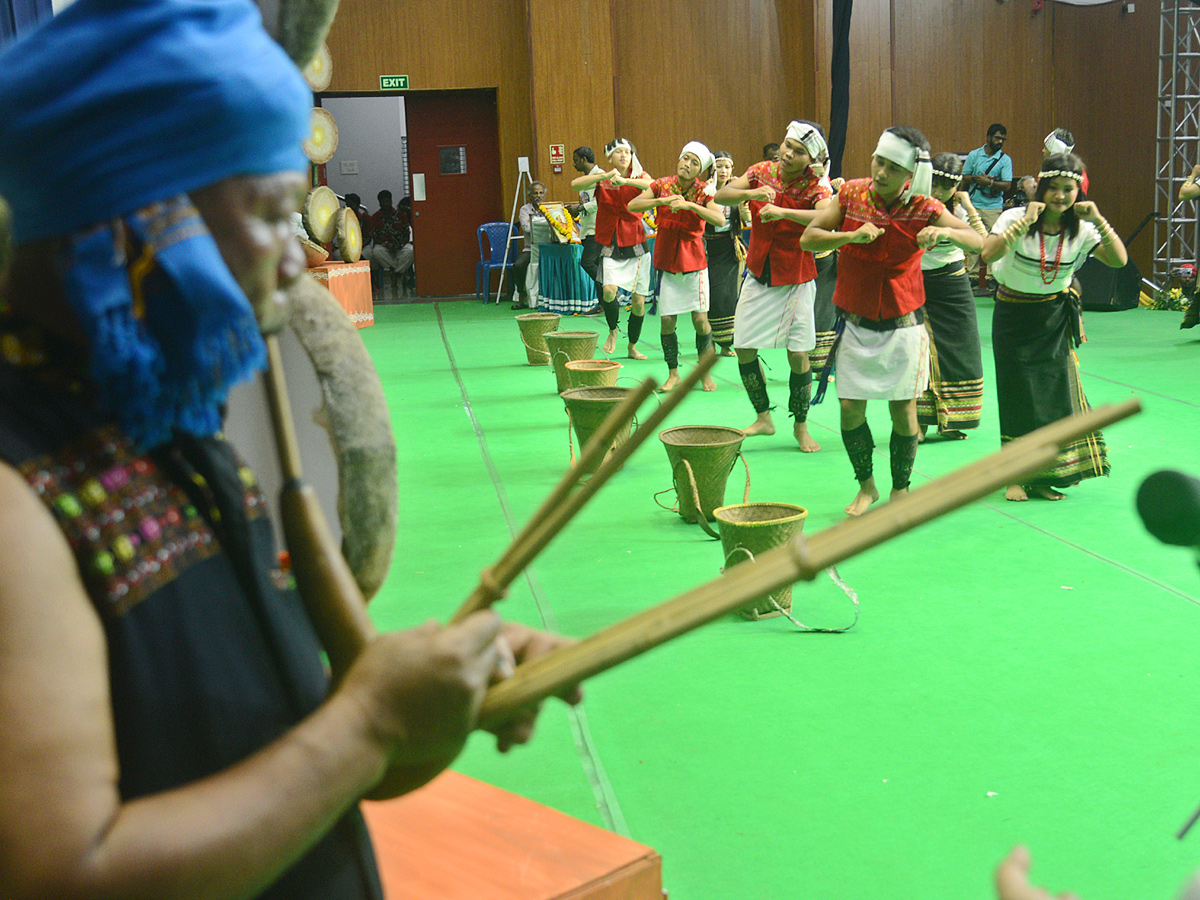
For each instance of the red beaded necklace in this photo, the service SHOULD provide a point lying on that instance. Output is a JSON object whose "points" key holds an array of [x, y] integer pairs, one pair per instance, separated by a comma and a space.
{"points": [[1043, 269]]}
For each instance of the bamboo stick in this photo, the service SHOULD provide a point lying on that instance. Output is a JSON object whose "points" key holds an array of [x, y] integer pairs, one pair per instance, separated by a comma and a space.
{"points": [[540, 531], [500, 574], [788, 563], [326, 585]]}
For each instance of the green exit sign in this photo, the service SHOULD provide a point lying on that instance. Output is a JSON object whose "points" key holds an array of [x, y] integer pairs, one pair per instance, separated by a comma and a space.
{"points": [[393, 82]]}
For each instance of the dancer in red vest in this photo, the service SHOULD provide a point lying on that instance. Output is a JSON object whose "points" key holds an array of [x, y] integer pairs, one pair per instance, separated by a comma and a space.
{"points": [[883, 225], [684, 206], [775, 306], [622, 237]]}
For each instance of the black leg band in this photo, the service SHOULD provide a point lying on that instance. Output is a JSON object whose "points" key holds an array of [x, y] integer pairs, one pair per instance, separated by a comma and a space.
{"points": [[756, 386], [670, 347], [612, 313], [859, 444], [801, 391], [704, 343], [904, 454], [635, 328]]}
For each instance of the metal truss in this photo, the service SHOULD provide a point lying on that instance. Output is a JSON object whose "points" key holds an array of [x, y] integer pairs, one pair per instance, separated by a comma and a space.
{"points": [[1176, 232]]}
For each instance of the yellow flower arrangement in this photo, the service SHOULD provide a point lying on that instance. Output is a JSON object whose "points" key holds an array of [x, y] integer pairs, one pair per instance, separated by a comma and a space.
{"points": [[650, 217], [565, 230]]}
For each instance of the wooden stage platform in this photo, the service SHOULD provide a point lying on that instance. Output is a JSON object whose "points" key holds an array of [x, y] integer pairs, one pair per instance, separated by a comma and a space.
{"points": [[462, 839]]}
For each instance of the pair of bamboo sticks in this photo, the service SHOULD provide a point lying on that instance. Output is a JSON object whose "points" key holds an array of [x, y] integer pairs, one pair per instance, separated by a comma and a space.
{"points": [[339, 612]]}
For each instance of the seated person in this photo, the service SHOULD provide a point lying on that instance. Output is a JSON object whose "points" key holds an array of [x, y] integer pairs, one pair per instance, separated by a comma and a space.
{"points": [[391, 249], [520, 269]]}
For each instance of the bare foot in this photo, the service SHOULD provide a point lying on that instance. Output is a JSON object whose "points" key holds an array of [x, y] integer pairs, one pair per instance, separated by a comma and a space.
{"points": [[921, 435], [867, 494], [708, 384], [1015, 492], [1046, 493], [761, 425], [804, 439], [634, 353], [672, 380], [728, 351], [897, 493], [611, 344], [953, 434]]}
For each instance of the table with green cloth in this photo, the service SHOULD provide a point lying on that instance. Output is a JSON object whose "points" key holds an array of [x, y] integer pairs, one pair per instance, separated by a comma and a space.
{"points": [[563, 287]]}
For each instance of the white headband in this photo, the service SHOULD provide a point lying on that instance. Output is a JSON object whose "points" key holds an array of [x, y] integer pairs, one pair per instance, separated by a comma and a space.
{"points": [[701, 152], [938, 173], [635, 167], [1059, 173], [1054, 144], [896, 149], [809, 136]]}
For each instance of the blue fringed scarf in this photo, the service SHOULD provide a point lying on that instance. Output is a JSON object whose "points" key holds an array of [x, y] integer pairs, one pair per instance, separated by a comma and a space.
{"points": [[171, 330]]}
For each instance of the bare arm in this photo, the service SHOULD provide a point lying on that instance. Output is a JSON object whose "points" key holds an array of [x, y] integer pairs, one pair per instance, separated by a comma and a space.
{"points": [[1111, 249], [643, 181], [738, 189], [996, 246], [646, 200], [711, 212], [953, 229], [972, 214], [1190, 190], [769, 212], [65, 833], [822, 232], [583, 182]]}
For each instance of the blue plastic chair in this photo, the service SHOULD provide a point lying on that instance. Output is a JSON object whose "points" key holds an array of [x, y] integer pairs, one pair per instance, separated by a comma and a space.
{"points": [[492, 255]]}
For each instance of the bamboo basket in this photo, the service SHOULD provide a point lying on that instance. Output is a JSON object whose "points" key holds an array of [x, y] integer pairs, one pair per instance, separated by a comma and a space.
{"points": [[592, 372], [587, 408], [565, 346], [533, 335], [748, 529], [701, 457]]}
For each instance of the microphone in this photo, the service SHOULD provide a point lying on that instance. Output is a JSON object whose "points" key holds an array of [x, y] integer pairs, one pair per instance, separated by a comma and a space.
{"points": [[1169, 504]]}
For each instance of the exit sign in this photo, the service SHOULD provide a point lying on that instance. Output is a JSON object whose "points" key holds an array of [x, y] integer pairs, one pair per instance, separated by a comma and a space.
{"points": [[393, 82]]}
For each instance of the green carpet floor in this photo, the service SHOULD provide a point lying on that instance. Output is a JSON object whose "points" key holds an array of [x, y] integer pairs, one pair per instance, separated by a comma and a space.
{"points": [[1020, 672]]}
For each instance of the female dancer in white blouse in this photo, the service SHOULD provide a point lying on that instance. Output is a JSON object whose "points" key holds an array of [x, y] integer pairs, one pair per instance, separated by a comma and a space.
{"points": [[1033, 253]]}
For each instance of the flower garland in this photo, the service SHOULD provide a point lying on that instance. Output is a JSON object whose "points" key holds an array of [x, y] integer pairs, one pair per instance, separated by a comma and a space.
{"points": [[562, 223], [1172, 299], [650, 217]]}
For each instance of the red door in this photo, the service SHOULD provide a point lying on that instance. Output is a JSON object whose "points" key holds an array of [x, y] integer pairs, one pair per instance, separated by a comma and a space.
{"points": [[454, 142]]}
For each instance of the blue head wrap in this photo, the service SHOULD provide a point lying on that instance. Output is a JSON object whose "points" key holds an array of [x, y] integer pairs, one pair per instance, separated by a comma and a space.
{"points": [[109, 114]]}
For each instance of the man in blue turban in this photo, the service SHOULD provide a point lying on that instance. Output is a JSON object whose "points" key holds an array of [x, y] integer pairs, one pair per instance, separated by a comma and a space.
{"points": [[169, 729]]}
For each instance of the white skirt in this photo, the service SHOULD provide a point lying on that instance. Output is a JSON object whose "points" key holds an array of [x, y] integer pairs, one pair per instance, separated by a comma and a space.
{"points": [[780, 316], [882, 365], [632, 274], [683, 293]]}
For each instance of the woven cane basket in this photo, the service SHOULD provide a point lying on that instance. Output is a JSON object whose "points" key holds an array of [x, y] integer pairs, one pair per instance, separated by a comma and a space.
{"points": [[748, 529], [701, 457], [592, 372], [533, 335], [565, 346], [587, 408]]}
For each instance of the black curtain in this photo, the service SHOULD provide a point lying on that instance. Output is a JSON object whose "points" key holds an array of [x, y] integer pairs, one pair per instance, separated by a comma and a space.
{"points": [[839, 98], [17, 16]]}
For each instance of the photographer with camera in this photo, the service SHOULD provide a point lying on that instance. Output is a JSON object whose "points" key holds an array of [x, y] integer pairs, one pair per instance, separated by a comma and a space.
{"points": [[987, 176]]}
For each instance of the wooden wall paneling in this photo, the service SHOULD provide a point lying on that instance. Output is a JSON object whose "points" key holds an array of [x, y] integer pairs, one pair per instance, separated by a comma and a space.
{"points": [[572, 85], [962, 64], [798, 52], [440, 49], [870, 78], [1106, 76], [713, 72]]}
